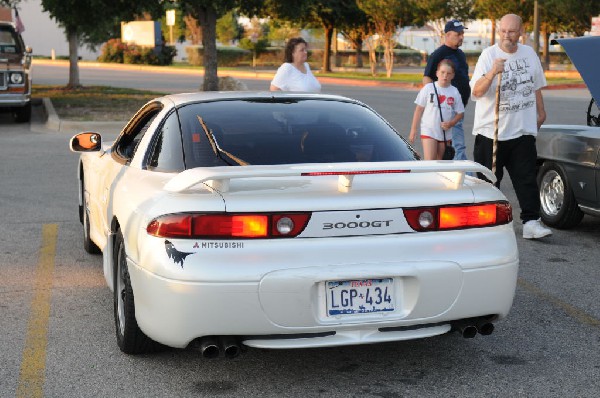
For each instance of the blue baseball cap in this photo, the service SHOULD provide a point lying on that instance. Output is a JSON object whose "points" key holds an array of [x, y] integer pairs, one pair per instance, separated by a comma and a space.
{"points": [[455, 26]]}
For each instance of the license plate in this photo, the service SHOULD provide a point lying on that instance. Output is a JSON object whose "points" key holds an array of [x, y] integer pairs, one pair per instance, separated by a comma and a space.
{"points": [[360, 296]]}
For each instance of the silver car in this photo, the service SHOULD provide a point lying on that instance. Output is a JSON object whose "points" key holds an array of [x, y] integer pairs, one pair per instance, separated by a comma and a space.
{"points": [[569, 155]]}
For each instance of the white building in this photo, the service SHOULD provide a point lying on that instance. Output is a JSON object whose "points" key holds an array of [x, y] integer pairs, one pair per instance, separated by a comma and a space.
{"points": [[428, 38]]}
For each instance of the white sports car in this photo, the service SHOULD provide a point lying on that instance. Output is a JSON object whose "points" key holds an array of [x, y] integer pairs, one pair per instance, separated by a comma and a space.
{"points": [[280, 220]]}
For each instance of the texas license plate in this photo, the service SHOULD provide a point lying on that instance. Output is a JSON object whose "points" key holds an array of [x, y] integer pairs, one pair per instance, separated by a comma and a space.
{"points": [[360, 296]]}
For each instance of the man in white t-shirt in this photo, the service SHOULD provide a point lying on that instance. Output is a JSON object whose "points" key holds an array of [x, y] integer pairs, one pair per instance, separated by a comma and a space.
{"points": [[521, 113]]}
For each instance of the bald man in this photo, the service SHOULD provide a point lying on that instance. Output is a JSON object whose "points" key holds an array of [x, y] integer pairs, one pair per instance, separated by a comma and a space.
{"points": [[521, 113]]}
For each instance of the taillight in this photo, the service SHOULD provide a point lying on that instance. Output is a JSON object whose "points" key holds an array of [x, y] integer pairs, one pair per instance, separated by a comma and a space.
{"points": [[459, 216], [224, 226]]}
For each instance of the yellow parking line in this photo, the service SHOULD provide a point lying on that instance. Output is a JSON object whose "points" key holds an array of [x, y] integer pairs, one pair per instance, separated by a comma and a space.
{"points": [[33, 363], [574, 312]]}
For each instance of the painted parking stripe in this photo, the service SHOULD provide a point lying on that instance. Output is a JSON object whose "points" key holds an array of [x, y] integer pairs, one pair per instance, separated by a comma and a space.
{"points": [[573, 312], [33, 362]]}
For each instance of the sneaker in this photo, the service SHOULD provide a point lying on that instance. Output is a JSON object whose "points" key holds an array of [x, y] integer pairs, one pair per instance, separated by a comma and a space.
{"points": [[534, 230]]}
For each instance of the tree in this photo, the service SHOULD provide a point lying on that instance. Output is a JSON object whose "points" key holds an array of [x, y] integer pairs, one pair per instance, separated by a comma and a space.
{"points": [[280, 31], [328, 14], [256, 38], [228, 28], [74, 17], [553, 20], [494, 10], [387, 15], [438, 12], [355, 27], [207, 12]]}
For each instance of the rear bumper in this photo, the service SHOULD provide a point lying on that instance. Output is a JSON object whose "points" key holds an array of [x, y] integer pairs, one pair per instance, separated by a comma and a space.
{"points": [[289, 301]]}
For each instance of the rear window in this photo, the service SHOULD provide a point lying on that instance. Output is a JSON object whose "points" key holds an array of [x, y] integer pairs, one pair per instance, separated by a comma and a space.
{"points": [[267, 132]]}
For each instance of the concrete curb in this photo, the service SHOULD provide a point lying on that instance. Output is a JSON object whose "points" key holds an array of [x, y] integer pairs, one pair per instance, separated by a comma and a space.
{"points": [[54, 123], [52, 119]]}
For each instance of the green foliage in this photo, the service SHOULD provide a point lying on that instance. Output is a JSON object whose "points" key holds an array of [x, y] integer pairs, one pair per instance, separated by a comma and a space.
{"points": [[486, 9], [228, 28], [226, 56], [258, 46], [443, 10], [280, 31], [568, 15], [95, 21], [116, 51], [112, 51]]}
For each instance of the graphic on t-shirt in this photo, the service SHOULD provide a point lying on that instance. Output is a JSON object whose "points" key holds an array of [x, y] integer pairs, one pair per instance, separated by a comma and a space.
{"points": [[516, 87], [442, 98]]}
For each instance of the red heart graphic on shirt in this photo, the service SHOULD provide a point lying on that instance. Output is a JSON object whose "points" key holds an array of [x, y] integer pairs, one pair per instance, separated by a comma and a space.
{"points": [[442, 98]]}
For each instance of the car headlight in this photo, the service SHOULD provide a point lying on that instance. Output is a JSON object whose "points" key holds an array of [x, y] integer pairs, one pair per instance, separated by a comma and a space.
{"points": [[16, 78]]}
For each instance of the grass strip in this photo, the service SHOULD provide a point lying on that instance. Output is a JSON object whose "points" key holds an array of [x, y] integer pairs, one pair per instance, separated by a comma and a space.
{"points": [[94, 103]]}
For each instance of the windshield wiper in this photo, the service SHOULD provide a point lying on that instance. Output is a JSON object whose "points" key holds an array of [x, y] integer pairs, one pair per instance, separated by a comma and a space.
{"points": [[217, 149]]}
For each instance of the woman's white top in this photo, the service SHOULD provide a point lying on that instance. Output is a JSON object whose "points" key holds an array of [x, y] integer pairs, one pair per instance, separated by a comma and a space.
{"points": [[289, 78]]}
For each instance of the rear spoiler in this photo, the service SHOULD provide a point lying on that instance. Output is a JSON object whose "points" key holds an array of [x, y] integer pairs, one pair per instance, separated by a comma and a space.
{"points": [[218, 177]]}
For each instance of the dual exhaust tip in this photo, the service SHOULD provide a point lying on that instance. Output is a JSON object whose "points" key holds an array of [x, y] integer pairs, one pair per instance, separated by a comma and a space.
{"points": [[214, 346], [469, 328]]}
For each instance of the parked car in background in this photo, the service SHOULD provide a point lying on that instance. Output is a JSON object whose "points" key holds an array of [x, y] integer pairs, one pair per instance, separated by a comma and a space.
{"points": [[288, 220], [15, 73], [569, 155]]}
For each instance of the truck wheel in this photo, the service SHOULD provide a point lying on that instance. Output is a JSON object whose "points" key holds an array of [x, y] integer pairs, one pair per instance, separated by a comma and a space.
{"points": [[559, 207]]}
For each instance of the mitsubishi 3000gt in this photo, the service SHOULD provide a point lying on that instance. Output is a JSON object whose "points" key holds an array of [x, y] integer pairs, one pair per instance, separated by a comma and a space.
{"points": [[288, 220]]}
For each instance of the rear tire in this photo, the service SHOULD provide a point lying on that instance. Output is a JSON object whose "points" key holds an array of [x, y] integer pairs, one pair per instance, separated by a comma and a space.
{"points": [[559, 208], [130, 338], [23, 114]]}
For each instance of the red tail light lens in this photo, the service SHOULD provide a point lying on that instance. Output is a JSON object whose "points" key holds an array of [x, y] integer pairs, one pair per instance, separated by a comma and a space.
{"points": [[458, 217], [243, 226], [224, 226]]}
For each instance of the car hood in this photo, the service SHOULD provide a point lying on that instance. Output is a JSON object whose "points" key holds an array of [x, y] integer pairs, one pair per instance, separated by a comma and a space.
{"points": [[584, 52], [10, 58]]}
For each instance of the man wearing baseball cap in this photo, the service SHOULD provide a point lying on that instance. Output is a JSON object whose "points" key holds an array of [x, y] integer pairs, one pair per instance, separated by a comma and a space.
{"points": [[453, 39]]}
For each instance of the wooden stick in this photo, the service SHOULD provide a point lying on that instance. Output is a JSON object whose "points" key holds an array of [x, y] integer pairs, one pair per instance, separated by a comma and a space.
{"points": [[497, 118]]}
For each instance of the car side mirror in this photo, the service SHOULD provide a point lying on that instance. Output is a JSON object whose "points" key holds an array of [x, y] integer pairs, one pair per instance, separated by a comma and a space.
{"points": [[86, 142]]}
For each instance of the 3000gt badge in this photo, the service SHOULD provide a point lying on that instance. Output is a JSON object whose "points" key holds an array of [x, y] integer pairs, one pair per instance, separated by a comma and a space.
{"points": [[357, 224]]}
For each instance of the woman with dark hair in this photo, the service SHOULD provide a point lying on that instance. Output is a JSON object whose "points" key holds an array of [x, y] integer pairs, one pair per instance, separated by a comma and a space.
{"points": [[294, 74]]}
